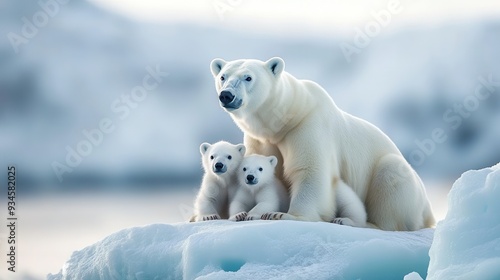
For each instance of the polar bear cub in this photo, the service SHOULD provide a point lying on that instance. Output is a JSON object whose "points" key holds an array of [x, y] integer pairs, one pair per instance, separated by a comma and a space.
{"points": [[259, 191], [350, 211], [220, 162]]}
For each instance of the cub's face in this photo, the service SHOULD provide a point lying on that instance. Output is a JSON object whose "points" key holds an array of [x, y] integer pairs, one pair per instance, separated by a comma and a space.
{"points": [[221, 158], [256, 170], [245, 84]]}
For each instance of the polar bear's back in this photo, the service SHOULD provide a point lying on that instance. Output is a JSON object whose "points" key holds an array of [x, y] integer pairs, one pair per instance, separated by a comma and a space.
{"points": [[359, 145]]}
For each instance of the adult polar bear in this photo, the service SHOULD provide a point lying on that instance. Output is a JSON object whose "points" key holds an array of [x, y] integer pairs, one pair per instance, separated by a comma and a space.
{"points": [[320, 146]]}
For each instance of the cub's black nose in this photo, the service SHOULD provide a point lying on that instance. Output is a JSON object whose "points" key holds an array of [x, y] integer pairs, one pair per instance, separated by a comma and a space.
{"points": [[219, 166], [250, 178], [226, 97]]}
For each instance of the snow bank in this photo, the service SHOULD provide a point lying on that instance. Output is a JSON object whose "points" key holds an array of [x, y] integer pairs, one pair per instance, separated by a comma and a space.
{"points": [[251, 250], [467, 242], [466, 246]]}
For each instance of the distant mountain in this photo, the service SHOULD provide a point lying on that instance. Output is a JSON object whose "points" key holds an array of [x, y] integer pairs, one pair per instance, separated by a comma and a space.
{"points": [[77, 70]]}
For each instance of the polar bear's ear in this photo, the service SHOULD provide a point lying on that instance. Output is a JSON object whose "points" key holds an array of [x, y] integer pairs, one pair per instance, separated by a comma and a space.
{"points": [[273, 161], [216, 65], [204, 148], [276, 65], [241, 148]]}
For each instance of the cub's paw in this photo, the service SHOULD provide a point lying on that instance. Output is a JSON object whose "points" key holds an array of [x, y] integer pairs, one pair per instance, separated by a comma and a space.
{"points": [[252, 217], [272, 216], [343, 221], [238, 217], [210, 217]]}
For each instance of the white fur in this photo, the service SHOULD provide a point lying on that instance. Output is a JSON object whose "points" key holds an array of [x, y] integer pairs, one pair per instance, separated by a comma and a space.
{"points": [[350, 210], [320, 146], [217, 188], [267, 194]]}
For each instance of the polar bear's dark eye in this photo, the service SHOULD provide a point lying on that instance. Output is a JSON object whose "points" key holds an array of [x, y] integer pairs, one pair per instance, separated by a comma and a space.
{"points": [[229, 157], [244, 169], [211, 157], [248, 79], [222, 78], [260, 169]]}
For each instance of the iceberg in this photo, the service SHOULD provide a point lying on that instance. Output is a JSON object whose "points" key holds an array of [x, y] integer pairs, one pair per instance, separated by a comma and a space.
{"points": [[465, 245], [251, 250]]}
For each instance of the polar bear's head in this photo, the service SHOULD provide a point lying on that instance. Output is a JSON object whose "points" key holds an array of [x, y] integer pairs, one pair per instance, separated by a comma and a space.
{"points": [[256, 170], [245, 83], [221, 158]]}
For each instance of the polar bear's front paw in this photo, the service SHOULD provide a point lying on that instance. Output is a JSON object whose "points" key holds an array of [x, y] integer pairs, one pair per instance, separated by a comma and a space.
{"points": [[272, 216], [238, 217], [210, 217], [343, 221]]}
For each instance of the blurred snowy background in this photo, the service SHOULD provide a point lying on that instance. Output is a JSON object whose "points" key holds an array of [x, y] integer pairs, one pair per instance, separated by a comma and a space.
{"points": [[409, 67]]}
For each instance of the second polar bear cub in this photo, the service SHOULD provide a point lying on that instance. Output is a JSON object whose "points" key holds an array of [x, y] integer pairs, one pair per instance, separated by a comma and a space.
{"points": [[259, 191], [349, 211]]}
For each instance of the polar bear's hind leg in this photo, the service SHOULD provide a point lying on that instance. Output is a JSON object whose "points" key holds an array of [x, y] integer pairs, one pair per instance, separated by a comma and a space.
{"points": [[396, 198]]}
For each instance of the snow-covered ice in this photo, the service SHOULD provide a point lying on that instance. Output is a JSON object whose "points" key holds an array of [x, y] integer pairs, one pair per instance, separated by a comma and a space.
{"points": [[467, 242], [251, 250], [466, 246], [412, 276]]}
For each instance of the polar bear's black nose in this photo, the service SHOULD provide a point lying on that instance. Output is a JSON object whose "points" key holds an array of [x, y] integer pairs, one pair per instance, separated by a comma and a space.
{"points": [[219, 166], [250, 178], [226, 97]]}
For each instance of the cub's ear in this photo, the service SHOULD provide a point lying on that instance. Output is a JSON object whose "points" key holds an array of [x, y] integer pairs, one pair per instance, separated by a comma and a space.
{"points": [[216, 65], [241, 148], [204, 148], [276, 65], [273, 161]]}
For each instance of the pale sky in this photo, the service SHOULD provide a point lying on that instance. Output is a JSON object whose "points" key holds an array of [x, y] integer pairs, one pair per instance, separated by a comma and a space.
{"points": [[321, 15]]}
